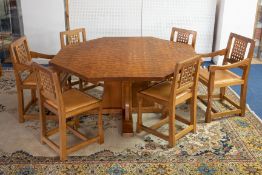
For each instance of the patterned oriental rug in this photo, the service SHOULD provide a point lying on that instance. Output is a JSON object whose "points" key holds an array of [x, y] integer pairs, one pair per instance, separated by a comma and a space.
{"points": [[230, 145]]}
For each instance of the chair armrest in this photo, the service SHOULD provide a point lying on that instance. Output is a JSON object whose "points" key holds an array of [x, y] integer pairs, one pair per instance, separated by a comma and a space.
{"points": [[23, 67], [40, 55], [242, 63], [213, 54]]}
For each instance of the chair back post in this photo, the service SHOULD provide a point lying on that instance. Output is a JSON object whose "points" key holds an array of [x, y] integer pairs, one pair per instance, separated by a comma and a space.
{"points": [[183, 36], [72, 37], [48, 86], [186, 76], [228, 48], [172, 97], [58, 89]]}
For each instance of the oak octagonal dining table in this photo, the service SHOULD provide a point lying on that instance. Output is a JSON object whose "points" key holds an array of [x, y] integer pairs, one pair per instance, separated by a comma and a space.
{"points": [[125, 64]]}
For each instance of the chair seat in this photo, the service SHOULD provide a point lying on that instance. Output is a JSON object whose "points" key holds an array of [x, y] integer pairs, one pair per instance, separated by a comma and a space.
{"points": [[222, 78], [75, 99], [162, 91], [30, 80]]}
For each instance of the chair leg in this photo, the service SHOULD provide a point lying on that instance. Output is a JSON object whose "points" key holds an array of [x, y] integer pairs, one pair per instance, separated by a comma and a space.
{"points": [[222, 93], [139, 115], [21, 111], [76, 122], [69, 80], [164, 112], [42, 122], [209, 104], [63, 140], [243, 100], [193, 111], [100, 126], [81, 85], [33, 95], [172, 128]]}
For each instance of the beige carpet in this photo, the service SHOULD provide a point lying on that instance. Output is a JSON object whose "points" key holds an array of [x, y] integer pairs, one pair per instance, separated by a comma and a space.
{"points": [[226, 146]]}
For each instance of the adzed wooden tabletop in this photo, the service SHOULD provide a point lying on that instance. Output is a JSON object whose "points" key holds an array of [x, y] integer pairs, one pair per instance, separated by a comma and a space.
{"points": [[122, 58]]}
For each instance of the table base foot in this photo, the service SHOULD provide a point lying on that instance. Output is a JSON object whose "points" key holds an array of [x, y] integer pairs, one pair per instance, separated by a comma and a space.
{"points": [[127, 128]]}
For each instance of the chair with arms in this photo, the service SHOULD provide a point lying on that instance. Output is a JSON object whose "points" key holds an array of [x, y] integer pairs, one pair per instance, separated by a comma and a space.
{"points": [[72, 37], [66, 105], [169, 94], [183, 36], [238, 54], [25, 77]]}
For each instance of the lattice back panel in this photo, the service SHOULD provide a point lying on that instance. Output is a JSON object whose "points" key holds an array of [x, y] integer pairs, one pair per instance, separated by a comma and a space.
{"points": [[47, 85], [182, 37], [22, 55], [73, 38], [238, 51], [187, 75]]}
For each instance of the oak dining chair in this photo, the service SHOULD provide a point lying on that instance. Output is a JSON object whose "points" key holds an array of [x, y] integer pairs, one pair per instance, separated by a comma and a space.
{"points": [[21, 57], [72, 37], [65, 105], [170, 94], [238, 54], [183, 36]]}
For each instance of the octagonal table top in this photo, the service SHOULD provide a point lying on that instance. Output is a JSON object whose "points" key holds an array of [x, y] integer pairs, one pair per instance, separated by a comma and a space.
{"points": [[122, 58]]}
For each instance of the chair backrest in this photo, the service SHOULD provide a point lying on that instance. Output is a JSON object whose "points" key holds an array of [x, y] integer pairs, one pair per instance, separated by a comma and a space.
{"points": [[48, 85], [20, 52], [238, 48], [183, 36], [71, 37], [185, 77], [21, 57]]}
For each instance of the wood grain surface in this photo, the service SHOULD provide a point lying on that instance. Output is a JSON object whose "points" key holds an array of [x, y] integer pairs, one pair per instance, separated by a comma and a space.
{"points": [[125, 64], [122, 58]]}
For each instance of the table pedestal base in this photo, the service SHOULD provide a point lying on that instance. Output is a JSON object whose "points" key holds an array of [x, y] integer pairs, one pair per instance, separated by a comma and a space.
{"points": [[121, 96]]}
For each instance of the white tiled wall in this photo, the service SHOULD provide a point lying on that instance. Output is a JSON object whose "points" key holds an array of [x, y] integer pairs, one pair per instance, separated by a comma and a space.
{"points": [[236, 16], [159, 17], [145, 17], [44, 19], [106, 17]]}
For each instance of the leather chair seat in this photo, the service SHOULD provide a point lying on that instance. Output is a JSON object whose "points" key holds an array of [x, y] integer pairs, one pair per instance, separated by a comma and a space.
{"points": [[30, 80], [75, 99], [222, 77], [162, 91]]}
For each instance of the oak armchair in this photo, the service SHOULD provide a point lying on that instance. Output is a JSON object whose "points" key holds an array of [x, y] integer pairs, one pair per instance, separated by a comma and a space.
{"points": [[238, 54], [21, 57]]}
